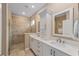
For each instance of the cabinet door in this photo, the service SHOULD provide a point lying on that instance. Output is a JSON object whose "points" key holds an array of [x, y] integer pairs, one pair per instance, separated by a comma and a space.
{"points": [[40, 47], [27, 39], [47, 50], [31, 43], [34, 46], [60, 53]]}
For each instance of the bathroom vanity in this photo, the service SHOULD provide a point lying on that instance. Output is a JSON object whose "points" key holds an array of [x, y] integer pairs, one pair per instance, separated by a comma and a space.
{"points": [[51, 47]]}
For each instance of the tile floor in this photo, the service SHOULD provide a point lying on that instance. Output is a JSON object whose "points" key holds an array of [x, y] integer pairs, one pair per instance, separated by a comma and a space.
{"points": [[18, 50]]}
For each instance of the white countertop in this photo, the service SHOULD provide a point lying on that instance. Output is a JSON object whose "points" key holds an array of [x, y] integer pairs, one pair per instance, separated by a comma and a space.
{"points": [[66, 48]]}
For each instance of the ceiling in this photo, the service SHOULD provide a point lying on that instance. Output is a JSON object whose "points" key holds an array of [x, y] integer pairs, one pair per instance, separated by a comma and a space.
{"points": [[25, 9]]}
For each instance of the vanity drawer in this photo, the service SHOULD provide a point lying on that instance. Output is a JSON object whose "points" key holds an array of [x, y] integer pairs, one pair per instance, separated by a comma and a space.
{"points": [[60, 53]]}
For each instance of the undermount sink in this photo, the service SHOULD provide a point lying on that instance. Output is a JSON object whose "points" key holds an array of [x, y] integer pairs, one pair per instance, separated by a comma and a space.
{"points": [[62, 45], [48, 40], [57, 44]]}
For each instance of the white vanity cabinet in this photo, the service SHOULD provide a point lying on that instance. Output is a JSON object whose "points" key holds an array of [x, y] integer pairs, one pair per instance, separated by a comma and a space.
{"points": [[33, 45], [59, 53], [39, 48], [36, 46], [47, 50], [42, 49], [50, 51]]}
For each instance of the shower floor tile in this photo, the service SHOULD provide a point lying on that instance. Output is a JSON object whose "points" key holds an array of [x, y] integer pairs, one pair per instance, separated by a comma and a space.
{"points": [[18, 50]]}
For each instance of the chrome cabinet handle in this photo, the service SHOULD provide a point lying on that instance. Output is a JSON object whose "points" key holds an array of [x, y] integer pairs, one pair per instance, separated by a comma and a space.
{"points": [[53, 53]]}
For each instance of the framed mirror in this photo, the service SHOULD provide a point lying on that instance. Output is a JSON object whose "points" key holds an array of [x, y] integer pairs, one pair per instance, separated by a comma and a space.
{"points": [[41, 21], [43, 16], [63, 23]]}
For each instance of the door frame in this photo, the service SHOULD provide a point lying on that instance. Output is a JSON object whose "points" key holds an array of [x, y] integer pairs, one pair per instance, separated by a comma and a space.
{"points": [[5, 36]]}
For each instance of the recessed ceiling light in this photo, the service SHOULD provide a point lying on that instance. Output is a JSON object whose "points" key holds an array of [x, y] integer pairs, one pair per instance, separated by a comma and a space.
{"points": [[23, 13], [33, 6]]}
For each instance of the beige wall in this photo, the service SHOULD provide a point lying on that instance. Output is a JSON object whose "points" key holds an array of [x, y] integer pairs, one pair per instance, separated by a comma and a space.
{"points": [[33, 25], [37, 18], [21, 24], [57, 7]]}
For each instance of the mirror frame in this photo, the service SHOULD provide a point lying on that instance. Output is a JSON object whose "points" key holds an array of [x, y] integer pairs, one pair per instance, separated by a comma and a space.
{"points": [[71, 16], [38, 13]]}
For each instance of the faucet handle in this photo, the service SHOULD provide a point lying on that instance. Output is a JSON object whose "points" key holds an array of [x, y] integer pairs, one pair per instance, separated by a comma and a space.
{"points": [[59, 40], [63, 41]]}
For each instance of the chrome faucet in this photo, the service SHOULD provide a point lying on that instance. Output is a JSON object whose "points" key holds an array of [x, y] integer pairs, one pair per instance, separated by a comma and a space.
{"points": [[60, 41]]}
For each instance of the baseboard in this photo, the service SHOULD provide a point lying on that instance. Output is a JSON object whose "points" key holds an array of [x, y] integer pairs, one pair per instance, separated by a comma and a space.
{"points": [[33, 52]]}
